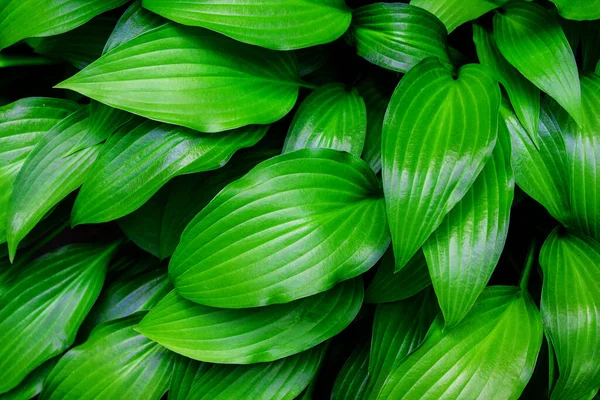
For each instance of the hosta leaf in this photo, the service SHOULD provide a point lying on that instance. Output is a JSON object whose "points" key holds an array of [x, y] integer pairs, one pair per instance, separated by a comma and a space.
{"points": [[48, 299], [185, 372], [464, 250], [438, 133], [398, 36], [206, 89], [141, 156], [46, 176], [578, 9], [571, 311], [275, 24], [388, 285], [295, 225], [279, 380], [398, 330], [334, 117], [22, 125], [590, 45], [541, 173], [21, 19], [115, 362], [32, 385], [454, 13], [311, 59], [351, 381], [251, 335], [534, 43], [490, 354], [524, 96], [376, 101]]}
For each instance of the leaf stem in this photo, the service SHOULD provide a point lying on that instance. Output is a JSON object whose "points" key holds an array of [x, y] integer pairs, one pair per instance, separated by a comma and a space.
{"points": [[528, 265]]}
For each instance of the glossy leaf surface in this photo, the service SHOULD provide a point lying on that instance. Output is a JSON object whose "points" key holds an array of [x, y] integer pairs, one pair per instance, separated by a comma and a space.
{"points": [[295, 225], [454, 13], [438, 133], [185, 372], [578, 9], [32, 385]]}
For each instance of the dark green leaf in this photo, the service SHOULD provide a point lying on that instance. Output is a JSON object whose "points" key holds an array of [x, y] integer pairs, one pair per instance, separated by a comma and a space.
{"points": [[454, 13], [351, 381], [32, 385], [277, 25], [376, 101], [438, 133], [311, 59], [295, 225], [578, 9], [15, 60], [333, 117], [185, 372]]}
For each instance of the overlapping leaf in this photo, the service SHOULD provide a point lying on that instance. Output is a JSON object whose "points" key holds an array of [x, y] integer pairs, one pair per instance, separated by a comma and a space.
{"points": [[376, 101], [295, 225], [351, 381], [333, 117], [185, 372], [438, 133], [578, 9], [454, 13], [32, 385], [193, 78], [277, 25]]}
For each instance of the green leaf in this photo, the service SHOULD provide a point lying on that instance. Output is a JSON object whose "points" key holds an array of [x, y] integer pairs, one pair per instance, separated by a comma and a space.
{"points": [[311, 59], [398, 330], [397, 36], [79, 47], [490, 354], [47, 177], [541, 173], [376, 101], [535, 44], [115, 362], [463, 251], [277, 25], [44, 305], [351, 381], [251, 335], [334, 117], [279, 380], [142, 156], [21, 19], [22, 125], [454, 13], [295, 225], [524, 96], [388, 285], [206, 89], [578, 9], [32, 385], [438, 132], [15, 60], [571, 311], [185, 372]]}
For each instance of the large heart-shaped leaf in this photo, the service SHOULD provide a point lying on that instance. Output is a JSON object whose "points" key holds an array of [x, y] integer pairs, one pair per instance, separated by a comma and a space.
{"points": [[22, 125], [295, 225], [279, 380], [571, 311], [21, 19], [185, 372], [463, 251], [47, 176], [535, 44], [44, 305], [351, 381], [277, 25], [332, 117], [454, 13], [397, 36], [216, 83], [438, 132], [490, 354], [578, 9], [248, 336], [115, 362]]}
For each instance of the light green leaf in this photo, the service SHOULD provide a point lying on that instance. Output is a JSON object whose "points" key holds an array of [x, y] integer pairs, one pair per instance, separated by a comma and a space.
{"points": [[388, 285], [251, 335], [22, 125], [142, 156], [334, 117], [21, 19], [463, 251], [114, 363], [454, 13], [206, 89], [535, 44], [351, 381], [578, 9], [44, 305], [277, 25], [571, 311], [490, 354], [32, 385], [438, 132], [397, 36], [376, 100], [294, 226], [524, 96], [47, 177], [185, 372], [279, 380]]}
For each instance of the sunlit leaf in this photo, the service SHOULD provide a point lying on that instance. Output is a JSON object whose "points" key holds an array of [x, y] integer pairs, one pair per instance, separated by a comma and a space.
{"points": [[454, 13]]}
